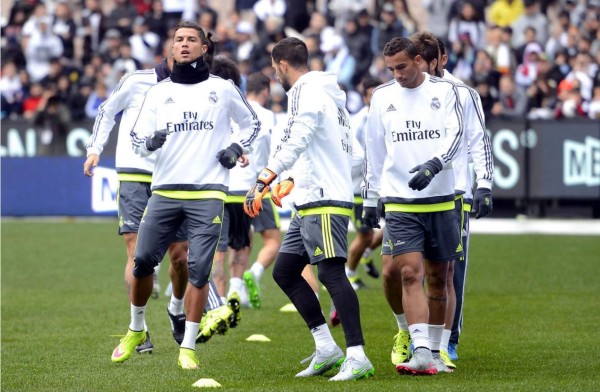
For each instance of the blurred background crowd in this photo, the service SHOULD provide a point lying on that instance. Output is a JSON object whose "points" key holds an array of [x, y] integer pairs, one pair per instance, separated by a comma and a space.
{"points": [[536, 59]]}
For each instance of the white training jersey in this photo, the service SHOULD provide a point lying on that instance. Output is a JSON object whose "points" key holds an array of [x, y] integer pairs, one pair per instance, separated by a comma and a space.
{"points": [[405, 128], [241, 179], [126, 97], [197, 119], [317, 143], [358, 123], [476, 144]]}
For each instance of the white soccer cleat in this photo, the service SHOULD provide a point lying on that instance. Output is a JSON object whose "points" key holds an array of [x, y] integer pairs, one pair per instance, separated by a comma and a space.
{"points": [[322, 362], [355, 369]]}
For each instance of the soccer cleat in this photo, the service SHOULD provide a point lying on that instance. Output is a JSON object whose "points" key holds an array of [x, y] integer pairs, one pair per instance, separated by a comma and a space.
{"points": [[155, 286], [253, 289], [445, 357], [421, 362], [235, 304], [321, 362], [188, 359], [370, 267], [334, 318], [354, 369], [400, 350], [440, 366], [177, 326], [127, 344], [214, 322], [452, 354], [146, 347]]}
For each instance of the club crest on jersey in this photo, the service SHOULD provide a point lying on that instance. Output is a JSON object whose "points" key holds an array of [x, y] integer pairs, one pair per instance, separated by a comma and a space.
{"points": [[212, 97], [435, 103]]}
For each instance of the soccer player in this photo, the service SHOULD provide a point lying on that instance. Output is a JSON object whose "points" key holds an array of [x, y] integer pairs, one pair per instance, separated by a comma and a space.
{"points": [[317, 143], [476, 148], [185, 121], [414, 128], [135, 176]]}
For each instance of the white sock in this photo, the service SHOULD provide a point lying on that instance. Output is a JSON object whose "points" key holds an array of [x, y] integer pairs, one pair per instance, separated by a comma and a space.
{"points": [[356, 352], [191, 331], [367, 253], [157, 269], [323, 338], [175, 305], [350, 273], [401, 320], [138, 317], [445, 340], [257, 270], [224, 300], [145, 326], [419, 334], [435, 336]]}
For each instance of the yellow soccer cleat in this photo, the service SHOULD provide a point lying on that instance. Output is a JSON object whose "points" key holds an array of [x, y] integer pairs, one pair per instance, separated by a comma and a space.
{"points": [[188, 359], [400, 351], [127, 345]]}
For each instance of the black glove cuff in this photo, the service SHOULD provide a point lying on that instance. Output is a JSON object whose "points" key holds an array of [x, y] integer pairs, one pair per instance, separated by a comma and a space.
{"points": [[239, 151], [436, 165]]}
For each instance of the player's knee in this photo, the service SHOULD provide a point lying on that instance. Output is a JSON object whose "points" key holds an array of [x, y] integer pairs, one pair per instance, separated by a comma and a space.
{"points": [[142, 269], [411, 275]]}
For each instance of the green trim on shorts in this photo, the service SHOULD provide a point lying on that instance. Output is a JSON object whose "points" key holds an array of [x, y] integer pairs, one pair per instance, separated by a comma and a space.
{"points": [[327, 236], [235, 199], [134, 177], [191, 195], [436, 207], [467, 207], [326, 210], [358, 200]]}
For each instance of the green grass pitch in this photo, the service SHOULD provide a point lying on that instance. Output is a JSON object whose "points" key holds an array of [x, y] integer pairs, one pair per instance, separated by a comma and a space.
{"points": [[532, 321]]}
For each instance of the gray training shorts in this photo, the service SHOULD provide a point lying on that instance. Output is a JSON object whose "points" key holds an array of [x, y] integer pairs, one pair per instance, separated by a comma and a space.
{"points": [[132, 200], [317, 237], [159, 226], [268, 217], [435, 234]]}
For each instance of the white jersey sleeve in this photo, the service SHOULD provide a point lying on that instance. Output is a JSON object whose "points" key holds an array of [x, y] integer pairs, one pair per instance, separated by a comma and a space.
{"points": [[244, 115], [454, 125], [375, 154], [117, 101], [304, 113], [480, 147], [144, 125]]}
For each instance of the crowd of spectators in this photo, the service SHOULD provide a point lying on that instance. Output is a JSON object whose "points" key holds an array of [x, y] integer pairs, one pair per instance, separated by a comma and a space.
{"points": [[527, 58]]}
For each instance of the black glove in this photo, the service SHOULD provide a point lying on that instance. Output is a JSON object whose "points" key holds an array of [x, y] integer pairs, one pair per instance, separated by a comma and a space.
{"points": [[425, 174], [482, 202], [371, 216], [228, 156], [156, 141]]}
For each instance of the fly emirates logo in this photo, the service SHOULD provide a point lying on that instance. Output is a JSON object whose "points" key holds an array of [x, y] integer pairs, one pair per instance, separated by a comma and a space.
{"points": [[414, 132], [190, 123]]}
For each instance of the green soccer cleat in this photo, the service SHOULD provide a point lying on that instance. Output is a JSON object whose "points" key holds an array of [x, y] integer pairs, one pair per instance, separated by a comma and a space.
{"points": [[253, 289], [354, 369], [188, 359], [321, 362], [400, 350], [235, 304], [445, 357], [127, 345], [214, 322]]}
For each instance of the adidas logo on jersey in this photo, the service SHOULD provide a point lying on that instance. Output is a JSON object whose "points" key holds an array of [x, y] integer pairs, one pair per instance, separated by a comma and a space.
{"points": [[391, 108], [318, 252], [217, 220], [169, 100]]}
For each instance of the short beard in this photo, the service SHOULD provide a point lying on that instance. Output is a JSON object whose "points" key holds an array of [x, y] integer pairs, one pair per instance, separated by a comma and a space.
{"points": [[286, 86]]}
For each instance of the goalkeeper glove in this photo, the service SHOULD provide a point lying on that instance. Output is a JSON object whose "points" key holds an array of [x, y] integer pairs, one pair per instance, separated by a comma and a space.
{"points": [[156, 141], [371, 216], [482, 202], [228, 156], [425, 174], [281, 190], [253, 201]]}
